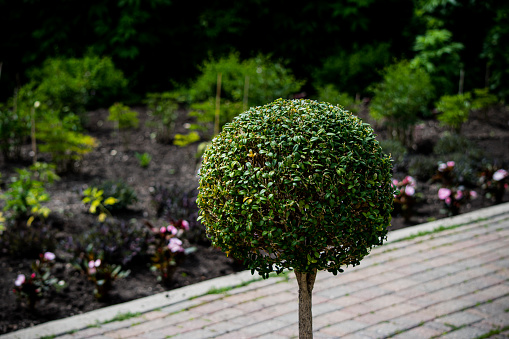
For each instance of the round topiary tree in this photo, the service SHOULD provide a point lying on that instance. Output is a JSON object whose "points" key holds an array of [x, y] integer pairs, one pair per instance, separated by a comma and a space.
{"points": [[296, 184]]}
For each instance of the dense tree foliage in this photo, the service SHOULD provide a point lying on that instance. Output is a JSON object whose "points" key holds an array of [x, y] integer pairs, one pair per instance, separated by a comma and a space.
{"points": [[158, 43]]}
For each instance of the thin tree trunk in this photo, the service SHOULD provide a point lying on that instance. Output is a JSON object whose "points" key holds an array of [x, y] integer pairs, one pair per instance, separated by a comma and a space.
{"points": [[306, 281]]}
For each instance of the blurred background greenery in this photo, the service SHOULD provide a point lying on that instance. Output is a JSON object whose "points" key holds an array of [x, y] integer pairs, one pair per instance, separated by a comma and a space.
{"points": [[163, 45]]}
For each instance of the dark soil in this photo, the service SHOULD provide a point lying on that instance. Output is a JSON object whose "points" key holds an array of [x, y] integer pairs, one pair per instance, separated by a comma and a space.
{"points": [[173, 166]]}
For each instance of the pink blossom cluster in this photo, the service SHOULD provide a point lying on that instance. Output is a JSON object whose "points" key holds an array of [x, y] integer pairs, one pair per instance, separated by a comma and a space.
{"points": [[501, 174], [407, 186], [93, 265], [448, 166], [449, 195]]}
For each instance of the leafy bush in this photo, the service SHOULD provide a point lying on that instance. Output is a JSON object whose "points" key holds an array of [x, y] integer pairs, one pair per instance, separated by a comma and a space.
{"points": [[330, 94], [396, 150], [162, 110], [61, 139], [267, 80], [454, 198], [15, 122], [296, 184], [398, 100], [23, 241], [455, 110], [98, 203], [205, 113], [300, 180], [25, 194], [494, 181], [73, 85], [123, 116]]}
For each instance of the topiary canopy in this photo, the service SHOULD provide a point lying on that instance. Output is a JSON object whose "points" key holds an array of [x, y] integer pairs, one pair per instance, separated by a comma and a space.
{"points": [[296, 184]]}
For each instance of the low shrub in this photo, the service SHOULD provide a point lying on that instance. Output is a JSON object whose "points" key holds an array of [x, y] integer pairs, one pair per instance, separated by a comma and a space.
{"points": [[494, 181], [143, 159], [454, 198], [405, 198], [94, 197], [23, 241], [123, 116], [162, 112], [183, 140], [455, 110]]}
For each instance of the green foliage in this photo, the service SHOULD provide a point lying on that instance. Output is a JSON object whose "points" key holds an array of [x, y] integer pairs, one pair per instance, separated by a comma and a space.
{"points": [[353, 71], [296, 184], [98, 203], [144, 159], [205, 113], [268, 80], [15, 122], [123, 116], [330, 94], [183, 140], [452, 143], [26, 193], [162, 109], [439, 56], [61, 139], [482, 99], [123, 194], [455, 110], [398, 100], [72, 85]]}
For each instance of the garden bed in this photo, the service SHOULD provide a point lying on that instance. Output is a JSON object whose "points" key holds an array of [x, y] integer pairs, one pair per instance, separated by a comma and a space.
{"points": [[175, 168]]}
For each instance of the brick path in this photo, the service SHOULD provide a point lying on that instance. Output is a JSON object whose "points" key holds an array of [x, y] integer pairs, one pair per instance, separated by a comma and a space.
{"points": [[448, 284]]}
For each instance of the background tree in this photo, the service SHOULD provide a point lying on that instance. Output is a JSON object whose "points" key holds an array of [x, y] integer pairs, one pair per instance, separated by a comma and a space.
{"points": [[296, 184]]}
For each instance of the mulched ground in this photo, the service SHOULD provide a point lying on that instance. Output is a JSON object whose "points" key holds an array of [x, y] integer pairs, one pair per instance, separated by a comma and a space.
{"points": [[174, 166]]}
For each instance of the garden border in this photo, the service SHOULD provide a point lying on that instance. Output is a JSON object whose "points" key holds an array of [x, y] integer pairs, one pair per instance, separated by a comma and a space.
{"points": [[168, 298]]}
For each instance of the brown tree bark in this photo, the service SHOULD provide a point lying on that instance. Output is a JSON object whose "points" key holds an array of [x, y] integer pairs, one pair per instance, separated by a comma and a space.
{"points": [[306, 281]]}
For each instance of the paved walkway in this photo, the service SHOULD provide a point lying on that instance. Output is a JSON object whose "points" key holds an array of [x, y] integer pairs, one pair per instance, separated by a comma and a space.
{"points": [[452, 283]]}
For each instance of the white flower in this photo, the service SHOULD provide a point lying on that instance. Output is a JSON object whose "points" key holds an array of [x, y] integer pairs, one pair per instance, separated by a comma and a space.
{"points": [[49, 256], [500, 174], [20, 280]]}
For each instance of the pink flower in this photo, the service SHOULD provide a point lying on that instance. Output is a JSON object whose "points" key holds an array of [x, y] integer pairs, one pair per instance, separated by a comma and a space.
{"points": [[444, 193], [32, 275], [500, 174], [394, 182], [49, 256], [409, 190], [162, 229], [185, 225], [172, 229], [451, 164], [448, 201], [20, 280], [473, 194], [92, 263], [459, 195], [442, 167], [175, 245], [409, 180]]}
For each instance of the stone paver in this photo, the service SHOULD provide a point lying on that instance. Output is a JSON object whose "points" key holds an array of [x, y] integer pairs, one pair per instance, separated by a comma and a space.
{"points": [[448, 284]]}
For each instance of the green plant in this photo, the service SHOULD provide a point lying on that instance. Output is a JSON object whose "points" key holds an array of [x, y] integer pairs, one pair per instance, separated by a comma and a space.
{"points": [[266, 80], [162, 109], [422, 167], [37, 286], [455, 110], [168, 249], [494, 181], [15, 122], [95, 197], [61, 138], [454, 198], [73, 85], [123, 116], [405, 197], [296, 184], [205, 113], [398, 100], [100, 272], [329, 93], [120, 191], [144, 159], [183, 140], [26, 193]]}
